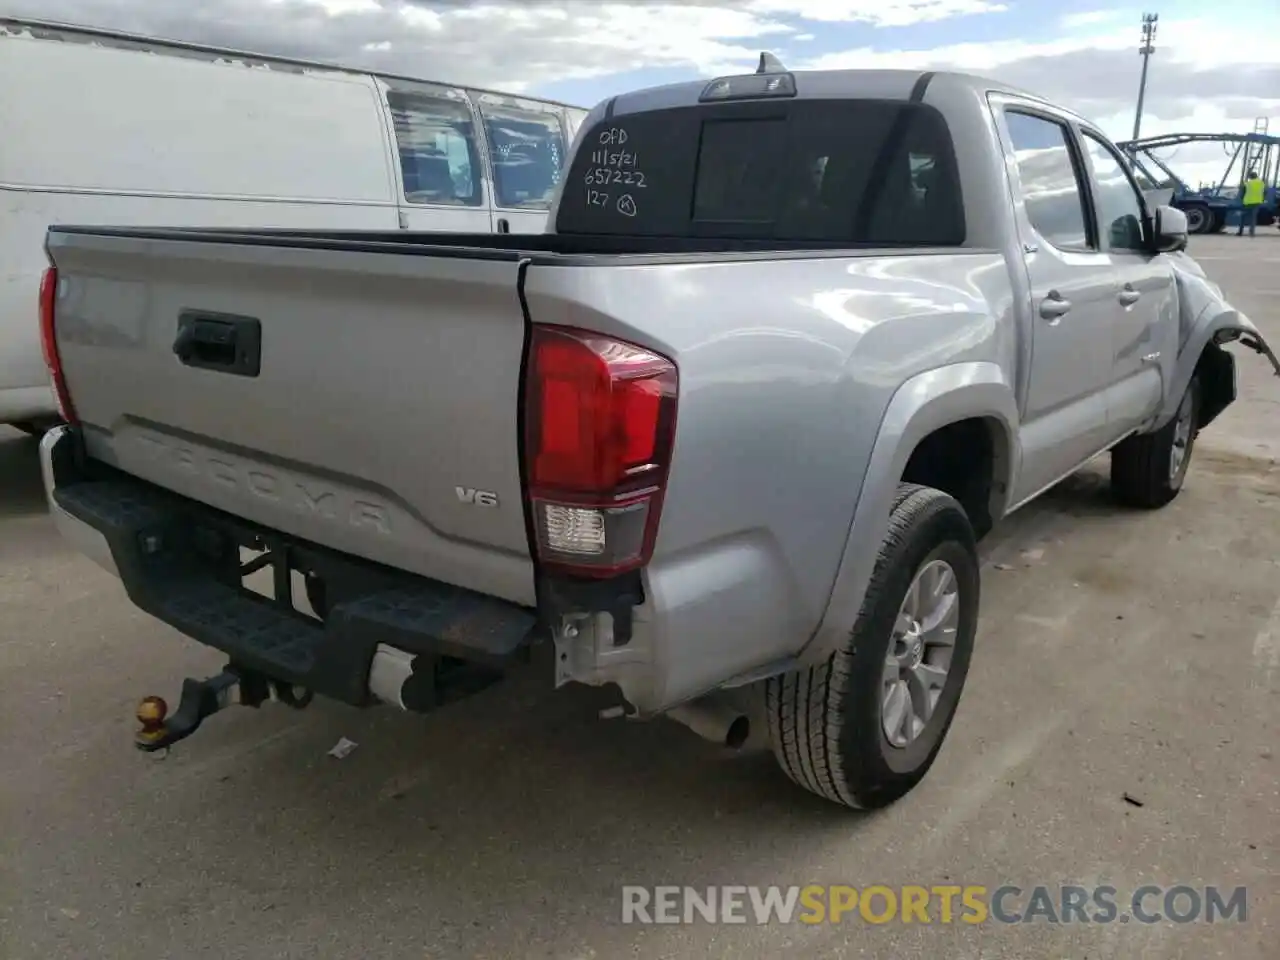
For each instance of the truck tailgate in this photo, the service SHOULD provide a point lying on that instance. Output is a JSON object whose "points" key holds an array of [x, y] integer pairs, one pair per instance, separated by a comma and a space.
{"points": [[381, 419]]}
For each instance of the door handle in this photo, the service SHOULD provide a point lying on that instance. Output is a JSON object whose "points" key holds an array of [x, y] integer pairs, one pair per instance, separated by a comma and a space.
{"points": [[1128, 296], [1054, 306]]}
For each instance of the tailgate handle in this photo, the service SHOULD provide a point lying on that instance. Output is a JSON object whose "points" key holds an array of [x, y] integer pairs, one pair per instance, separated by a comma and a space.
{"points": [[219, 341]]}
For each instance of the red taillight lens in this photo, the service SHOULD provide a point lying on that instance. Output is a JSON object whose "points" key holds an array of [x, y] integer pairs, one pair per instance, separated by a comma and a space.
{"points": [[600, 420], [49, 343]]}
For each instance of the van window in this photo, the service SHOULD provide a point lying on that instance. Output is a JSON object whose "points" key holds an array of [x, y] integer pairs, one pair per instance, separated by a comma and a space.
{"points": [[573, 120], [846, 172], [438, 157], [527, 148]]}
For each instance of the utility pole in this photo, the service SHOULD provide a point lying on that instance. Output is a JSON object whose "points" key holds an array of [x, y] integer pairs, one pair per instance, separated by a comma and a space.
{"points": [[1148, 47]]}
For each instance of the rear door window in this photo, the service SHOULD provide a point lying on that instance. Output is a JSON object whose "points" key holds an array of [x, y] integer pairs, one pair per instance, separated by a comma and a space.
{"points": [[1052, 183], [527, 150], [863, 172], [435, 135]]}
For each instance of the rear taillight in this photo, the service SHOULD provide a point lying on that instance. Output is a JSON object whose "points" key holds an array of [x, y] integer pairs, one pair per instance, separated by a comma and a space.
{"points": [[599, 421], [49, 343]]}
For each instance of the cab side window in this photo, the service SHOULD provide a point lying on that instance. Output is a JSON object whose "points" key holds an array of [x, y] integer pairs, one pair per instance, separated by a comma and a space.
{"points": [[1051, 184], [1120, 210], [438, 156]]}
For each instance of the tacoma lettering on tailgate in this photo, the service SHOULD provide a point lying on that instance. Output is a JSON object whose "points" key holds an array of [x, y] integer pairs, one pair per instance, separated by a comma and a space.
{"points": [[301, 495]]}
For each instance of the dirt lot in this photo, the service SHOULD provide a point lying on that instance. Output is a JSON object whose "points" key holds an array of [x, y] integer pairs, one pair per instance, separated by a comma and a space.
{"points": [[1119, 653]]}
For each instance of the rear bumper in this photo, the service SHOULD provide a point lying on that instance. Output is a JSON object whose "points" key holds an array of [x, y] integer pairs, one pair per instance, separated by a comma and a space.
{"points": [[75, 531], [179, 560]]}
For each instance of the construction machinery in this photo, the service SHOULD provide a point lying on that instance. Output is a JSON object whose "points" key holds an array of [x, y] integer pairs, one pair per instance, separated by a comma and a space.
{"points": [[1211, 207]]}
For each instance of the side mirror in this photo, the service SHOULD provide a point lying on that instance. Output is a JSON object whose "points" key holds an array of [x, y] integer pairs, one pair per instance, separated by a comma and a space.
{"points": [[1170, 230]]}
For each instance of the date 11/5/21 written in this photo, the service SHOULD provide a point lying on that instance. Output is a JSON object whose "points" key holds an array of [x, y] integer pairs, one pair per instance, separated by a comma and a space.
{"points": [[613, 165]]}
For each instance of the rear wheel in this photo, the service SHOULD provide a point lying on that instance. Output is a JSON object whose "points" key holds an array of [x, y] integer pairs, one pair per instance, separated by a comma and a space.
{"points": [[1148, 470], [863, 728], [1199, 218]]}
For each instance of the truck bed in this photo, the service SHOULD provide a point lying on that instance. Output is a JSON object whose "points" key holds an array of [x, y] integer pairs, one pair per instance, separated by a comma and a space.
{"points": [[381, 413], [385, 418], [384, 410]]}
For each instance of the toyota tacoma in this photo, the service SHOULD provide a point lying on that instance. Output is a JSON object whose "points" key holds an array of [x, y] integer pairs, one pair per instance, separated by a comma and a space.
{"points": [[792, 343]]}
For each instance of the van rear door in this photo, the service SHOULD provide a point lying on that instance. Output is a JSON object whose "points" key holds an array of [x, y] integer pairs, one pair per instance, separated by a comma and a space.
{"points": [[439, 161], [527, 146]]}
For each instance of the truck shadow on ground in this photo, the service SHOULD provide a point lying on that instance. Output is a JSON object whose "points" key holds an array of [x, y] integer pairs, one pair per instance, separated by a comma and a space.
{"points": [[21, 489], [1086, 493]]}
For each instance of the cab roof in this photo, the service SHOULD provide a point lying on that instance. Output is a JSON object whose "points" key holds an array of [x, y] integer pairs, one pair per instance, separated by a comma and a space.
{"points": [[828, 84]]}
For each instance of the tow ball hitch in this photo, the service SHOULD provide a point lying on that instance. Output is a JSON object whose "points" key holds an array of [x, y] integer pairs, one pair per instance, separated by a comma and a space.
{"points": [[203, 698]]}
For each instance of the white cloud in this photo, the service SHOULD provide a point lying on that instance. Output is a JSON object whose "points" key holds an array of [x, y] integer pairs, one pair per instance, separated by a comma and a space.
{"points": [[1090, 62], [508, 44], [881, 13], [1089, 18], [1201, 67], [337, 7]]}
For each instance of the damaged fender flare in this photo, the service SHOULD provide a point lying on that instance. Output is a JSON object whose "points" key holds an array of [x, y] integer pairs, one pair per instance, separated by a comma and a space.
{"points": [[1213, 327]]}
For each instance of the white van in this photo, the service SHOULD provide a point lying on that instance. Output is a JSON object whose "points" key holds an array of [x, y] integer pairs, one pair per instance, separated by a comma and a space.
{"points": [[101, 127]]}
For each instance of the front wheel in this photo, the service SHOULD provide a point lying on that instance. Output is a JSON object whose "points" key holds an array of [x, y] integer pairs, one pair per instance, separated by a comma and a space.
{"points": [[863, 728], [1148, 470]]}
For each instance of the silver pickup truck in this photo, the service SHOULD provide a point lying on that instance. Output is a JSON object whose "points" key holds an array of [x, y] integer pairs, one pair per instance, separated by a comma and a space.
{"points": [[792, 344]]}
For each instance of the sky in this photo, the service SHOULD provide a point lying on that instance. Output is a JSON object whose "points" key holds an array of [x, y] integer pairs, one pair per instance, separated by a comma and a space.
{"points": [[1216, 66]]}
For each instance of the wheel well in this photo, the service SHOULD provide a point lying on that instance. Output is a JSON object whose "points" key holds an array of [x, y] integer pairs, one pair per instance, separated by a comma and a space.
{"points": [[1216, 370], [967, 459]]}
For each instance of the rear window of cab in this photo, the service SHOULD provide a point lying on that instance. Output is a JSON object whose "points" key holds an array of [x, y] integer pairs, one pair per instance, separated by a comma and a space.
{"points": [[856, 172]]}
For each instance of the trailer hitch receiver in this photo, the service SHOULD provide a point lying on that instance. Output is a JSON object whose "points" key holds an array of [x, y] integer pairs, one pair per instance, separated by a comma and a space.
{"points": [[201, 699]]}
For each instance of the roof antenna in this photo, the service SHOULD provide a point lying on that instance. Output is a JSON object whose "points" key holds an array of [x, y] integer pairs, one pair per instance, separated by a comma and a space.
{"points": [[770, 64]]}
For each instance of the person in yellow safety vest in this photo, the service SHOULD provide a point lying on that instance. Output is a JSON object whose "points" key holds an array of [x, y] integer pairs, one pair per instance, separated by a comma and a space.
{"points": [[1255, 193]]}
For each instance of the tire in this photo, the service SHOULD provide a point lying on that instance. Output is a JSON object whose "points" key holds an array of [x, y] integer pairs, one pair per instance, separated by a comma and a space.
{"points": [[1199, 218], [1143, 472], [825, 722]]}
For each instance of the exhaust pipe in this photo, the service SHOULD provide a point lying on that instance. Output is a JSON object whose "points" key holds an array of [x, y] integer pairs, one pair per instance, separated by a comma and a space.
{"points": [[713, 718]]}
